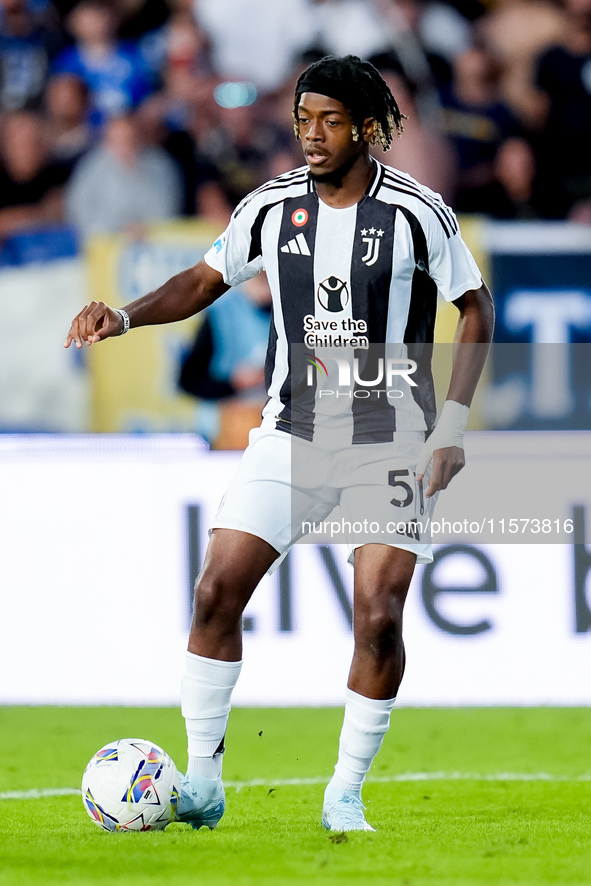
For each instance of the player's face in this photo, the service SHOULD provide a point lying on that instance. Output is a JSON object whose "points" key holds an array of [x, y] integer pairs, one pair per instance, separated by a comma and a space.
{"points": [[326, 133]]}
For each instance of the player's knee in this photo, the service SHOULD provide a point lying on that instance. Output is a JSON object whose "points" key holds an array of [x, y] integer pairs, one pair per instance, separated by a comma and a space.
{"points": [[378, 617], [215, 603], [382, 626], [380, 636]]}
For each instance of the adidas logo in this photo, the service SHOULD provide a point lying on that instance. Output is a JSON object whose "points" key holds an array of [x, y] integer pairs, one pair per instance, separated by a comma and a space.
{"points": [[297, 246]]}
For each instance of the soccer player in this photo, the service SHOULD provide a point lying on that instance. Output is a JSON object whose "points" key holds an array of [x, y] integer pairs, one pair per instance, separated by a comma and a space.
{"points": [[343, 239]]}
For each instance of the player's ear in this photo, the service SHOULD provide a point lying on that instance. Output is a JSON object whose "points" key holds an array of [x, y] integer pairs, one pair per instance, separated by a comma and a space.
{"points": [[368, 128]]}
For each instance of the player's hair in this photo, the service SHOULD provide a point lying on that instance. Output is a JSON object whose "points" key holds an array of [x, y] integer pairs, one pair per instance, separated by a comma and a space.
{"points": [[363, 91]]}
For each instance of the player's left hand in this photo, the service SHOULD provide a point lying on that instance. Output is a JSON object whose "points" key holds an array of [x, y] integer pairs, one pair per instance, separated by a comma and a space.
{"points": [[445, 447], [447, 462]]}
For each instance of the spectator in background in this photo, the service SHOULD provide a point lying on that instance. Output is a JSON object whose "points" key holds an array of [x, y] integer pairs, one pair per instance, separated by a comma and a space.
{"points": [[185, 72], [68, 128], [426, 37], [168, 117], [179, 46], [423, 152], [28, 40], [349, 27], [515, 32], [224, 368], [121, 185], [186, 50], [114, 72], [444, 31], [240, 145], [256, 40], [515, 170], [478, 123], [564, 147], [31, 192], [202, 192], [140, 17]]}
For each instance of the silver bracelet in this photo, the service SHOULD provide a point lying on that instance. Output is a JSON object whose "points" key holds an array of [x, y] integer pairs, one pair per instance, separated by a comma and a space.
{"points": [[125, 317]]}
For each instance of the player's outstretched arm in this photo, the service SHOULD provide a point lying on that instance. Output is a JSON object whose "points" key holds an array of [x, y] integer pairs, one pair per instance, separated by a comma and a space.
{"points": [[472, 339], [180, 297]]}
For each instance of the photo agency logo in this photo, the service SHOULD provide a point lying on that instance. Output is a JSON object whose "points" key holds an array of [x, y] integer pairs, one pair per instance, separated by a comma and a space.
{"points": [[348, 376]]}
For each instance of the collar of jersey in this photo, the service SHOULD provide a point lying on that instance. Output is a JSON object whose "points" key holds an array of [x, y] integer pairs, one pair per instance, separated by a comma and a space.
{"points": [[371, 187]]}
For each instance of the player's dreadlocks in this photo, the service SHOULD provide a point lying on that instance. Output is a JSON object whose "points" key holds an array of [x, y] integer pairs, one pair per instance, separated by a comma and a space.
{"points": [[359, 86]]}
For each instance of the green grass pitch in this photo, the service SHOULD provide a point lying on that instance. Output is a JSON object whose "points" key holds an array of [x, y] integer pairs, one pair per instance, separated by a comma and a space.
{"points": [[463, 797]]}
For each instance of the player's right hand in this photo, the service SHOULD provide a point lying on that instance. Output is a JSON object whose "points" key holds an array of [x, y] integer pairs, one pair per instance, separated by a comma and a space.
{"points": [[95, 322]]}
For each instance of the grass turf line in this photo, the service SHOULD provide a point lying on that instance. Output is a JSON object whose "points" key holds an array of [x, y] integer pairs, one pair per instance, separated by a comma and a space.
{"points": [[440, 832]]}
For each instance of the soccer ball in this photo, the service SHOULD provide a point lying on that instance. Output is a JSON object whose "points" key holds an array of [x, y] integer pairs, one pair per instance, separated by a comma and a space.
{"points": [[131, 785]]}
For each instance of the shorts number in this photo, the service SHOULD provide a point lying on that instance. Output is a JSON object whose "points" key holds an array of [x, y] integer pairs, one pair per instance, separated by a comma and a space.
{"points": [[400, 484]]}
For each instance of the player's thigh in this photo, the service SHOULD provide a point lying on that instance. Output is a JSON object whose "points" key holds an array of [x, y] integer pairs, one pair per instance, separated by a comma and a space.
{"points": [[383, 570], [261, 499], [383, 574], [234, 564]]}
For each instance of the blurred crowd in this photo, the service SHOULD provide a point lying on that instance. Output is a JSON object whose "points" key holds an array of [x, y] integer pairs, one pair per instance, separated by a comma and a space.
{"points": [[115, 114]]}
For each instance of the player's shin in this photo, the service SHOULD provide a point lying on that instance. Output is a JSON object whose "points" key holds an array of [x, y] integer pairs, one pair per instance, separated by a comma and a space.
{"points": [[206, 692]]}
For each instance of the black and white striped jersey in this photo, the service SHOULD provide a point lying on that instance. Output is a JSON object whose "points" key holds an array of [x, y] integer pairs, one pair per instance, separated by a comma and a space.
{"points": [[347, 279]]}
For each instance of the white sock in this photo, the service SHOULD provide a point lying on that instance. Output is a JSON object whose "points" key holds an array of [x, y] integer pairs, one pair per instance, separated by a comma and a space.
{"points": [[206, 690], [365, 723]]}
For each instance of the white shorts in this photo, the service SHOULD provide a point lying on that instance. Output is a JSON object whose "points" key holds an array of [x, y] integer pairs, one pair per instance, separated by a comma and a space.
{"points": [[371, 486]]}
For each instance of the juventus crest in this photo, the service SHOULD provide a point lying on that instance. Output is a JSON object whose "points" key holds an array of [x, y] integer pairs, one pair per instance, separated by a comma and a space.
{"points": [[373, 245]]}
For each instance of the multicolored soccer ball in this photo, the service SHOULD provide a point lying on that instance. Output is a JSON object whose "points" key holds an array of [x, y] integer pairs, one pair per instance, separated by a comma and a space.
{"points": [[131, 785]]}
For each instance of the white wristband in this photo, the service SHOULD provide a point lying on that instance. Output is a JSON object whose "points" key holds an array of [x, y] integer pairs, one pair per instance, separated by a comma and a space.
{"points": [[452, 424], [449, 431], [125, 317]]}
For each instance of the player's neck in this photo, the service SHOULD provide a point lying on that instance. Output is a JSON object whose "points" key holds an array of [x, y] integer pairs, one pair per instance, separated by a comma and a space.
{"points": [[348, 189]]}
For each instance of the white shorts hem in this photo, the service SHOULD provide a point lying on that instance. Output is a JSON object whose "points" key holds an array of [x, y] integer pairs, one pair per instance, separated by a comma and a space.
{"points": [[423, 556], [250, 530]]}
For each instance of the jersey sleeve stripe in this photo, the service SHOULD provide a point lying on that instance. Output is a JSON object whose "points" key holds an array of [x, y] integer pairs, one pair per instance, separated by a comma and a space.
{"points": [[273, 185], [285, 177], [419, 241], [256, 231], [436, 205], [378, 180], [277, 184], [399, 190], [435, 198], [407, 182]]}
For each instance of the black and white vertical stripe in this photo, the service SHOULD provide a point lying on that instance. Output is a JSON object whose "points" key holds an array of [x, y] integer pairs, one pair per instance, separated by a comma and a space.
{"points": [[372, 262]]}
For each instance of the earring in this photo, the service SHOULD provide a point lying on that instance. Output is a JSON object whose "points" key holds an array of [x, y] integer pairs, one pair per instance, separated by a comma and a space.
{"points": [[355, 134]]}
